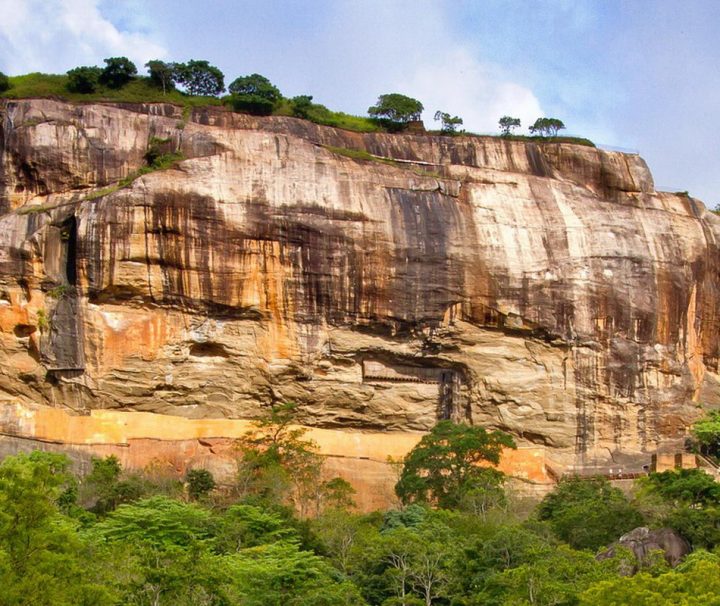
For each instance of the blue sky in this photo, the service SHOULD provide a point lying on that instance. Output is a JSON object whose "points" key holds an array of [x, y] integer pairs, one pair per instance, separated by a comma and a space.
{"points": [[636, 74]]}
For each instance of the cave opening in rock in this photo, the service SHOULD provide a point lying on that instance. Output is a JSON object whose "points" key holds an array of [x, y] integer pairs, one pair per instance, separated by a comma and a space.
{"points": [[69, 238]]}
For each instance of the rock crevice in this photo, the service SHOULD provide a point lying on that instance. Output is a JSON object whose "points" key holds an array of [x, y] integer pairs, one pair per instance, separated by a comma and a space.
{"points": [[544, 289]]}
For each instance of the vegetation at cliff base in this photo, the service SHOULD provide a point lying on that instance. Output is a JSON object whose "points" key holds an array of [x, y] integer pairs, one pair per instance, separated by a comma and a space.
{"points": [[706, 431], [451, 464], [283, 532]]}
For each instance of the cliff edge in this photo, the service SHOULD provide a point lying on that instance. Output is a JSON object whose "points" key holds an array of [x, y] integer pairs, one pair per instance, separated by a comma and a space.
{"points": [[380, 281]]}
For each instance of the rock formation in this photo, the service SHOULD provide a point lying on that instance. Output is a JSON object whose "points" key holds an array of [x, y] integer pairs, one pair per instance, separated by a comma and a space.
{"points": [[642, 542], [380, 281]]}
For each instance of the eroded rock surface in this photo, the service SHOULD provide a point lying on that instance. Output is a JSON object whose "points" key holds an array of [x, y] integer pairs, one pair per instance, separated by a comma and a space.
{"points": [[546, 290], [642, 542]]}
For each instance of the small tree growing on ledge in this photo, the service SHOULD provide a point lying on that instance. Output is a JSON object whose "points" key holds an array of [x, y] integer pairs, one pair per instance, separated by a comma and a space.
{"points": [[451, 462], [200, 482]]}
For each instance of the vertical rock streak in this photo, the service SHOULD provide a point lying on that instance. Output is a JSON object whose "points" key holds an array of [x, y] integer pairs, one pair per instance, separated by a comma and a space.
{"points": [[547, 289]]}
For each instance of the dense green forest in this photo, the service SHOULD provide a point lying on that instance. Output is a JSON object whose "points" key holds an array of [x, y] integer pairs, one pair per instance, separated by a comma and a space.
{"points": [[282, 533]]}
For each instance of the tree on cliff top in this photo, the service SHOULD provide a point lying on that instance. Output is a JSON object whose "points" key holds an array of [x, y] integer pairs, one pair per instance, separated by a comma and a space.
{"points": [[507, 124], [118, 72], [254, 94], [199, 78], [4, 82], [83, 79], [449, 124], [451, 462], [547, 127], [162, 74], [396, 108]]}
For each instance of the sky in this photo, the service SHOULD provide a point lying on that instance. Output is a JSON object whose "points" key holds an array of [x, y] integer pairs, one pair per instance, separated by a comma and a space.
{"points": [[638, 75]]}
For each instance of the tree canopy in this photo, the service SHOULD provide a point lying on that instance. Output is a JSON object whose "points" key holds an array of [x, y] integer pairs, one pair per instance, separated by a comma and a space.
{"points": [[508, 124], [449, 124], [279, 465], [83, 79], [230, 548], [588, 513], [547, 127], [450, 462], [4, 82], [199, 78], [706, 431], [396, 108], [118, 72], [162, 74], [254, 94]]}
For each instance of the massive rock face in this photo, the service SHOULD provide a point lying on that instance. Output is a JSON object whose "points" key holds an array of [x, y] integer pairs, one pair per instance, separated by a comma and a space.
{"points": [[379, 281]]}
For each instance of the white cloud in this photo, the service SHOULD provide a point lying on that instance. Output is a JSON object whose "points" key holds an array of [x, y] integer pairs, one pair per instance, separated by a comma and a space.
{"points": [[56, 35], [480, 93], [361, 50]]}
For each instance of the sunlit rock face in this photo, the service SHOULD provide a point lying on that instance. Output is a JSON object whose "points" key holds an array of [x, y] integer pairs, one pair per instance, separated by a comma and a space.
{"points": [[546, 290]]}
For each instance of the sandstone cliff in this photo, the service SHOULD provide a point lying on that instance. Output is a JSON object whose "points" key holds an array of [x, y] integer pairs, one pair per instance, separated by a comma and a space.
{"points": [[546, 290]]}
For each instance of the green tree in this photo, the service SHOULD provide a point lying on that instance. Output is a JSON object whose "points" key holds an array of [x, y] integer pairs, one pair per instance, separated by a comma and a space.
{"points": [[281, 574], [396, 108], [694, 584], [687, 500], [157, 521], [301, 106], [243, 526], [508, 124], [4, 82], [706, 431], [162, 74], [200, 482], [552, 578], [83, 79], [588, 513], [449, 124], [487, 552], [40, 553], [692, 487], [340, 533], [167, 543], [199, 78], [254, 94], [451, 461], [102, 490], [118, 72], [547, 127], [278, 465]]}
